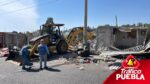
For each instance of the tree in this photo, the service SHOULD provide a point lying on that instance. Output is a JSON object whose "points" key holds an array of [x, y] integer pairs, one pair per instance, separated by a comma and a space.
{"points": [[140, 24], [147, 25], [127, 25]]}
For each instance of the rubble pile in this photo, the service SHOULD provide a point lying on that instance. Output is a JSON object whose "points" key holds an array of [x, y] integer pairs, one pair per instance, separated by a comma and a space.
{"points": [[136, 48]]}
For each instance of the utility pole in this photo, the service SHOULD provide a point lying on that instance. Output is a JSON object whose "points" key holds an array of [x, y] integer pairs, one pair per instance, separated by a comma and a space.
{"points": [[116, 21], [137, 37], [85, 23]]}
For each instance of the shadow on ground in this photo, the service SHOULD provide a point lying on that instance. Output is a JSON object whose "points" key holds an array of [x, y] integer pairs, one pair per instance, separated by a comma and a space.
{"points": [[48, 69], [33, 70], [53, 70]]}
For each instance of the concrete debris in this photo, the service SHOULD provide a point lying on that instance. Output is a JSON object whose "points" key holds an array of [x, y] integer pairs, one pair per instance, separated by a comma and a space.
{"points": [[108, 54], [136, 48], [105, 56], [82, 68], [4, 52], [147, 47], [137, 51], [119, 60], [93, 46], [60, 61], [114, 48], [116, 65], [81, 61]]}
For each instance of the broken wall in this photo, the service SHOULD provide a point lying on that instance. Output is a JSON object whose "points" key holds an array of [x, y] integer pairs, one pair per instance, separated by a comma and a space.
{"points": [[104, 38], [122, 38], [126, 39], [2, 34]]}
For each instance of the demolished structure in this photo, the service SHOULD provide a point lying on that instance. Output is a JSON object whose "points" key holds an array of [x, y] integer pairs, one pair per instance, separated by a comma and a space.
{"points": [[121, 38], [114, 44]]}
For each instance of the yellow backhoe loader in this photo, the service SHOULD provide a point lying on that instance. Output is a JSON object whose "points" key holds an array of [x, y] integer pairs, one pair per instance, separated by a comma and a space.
{"points": [[54, 39], [52, 36]]}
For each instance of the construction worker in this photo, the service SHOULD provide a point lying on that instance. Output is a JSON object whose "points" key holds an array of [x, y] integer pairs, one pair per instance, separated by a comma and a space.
{"points": [[25, 57], [43, 51]]}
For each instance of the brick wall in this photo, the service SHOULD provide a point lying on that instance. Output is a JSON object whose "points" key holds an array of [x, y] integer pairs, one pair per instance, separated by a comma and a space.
{"points": [[12, 39]]}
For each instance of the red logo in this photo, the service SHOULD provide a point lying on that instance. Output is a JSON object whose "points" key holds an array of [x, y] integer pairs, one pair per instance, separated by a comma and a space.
{"points": [[130, 62]]}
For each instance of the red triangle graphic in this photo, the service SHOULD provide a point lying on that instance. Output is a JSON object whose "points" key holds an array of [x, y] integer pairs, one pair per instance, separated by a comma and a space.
{"points": [[130, 62]]}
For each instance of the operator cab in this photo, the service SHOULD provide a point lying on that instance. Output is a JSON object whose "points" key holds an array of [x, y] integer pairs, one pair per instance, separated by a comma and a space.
{"points": [[53, 30]]}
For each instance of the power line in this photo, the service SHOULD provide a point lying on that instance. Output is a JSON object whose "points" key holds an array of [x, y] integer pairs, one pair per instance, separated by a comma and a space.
{"points": [[29, 7], [8, 3], [3, 1]]}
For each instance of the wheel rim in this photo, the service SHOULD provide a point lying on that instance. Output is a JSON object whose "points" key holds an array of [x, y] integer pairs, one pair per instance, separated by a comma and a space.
{"points": [[64, 47]]}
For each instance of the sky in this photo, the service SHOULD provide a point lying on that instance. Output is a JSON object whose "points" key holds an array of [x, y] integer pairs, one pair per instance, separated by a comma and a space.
{"points": [[28, 15]]}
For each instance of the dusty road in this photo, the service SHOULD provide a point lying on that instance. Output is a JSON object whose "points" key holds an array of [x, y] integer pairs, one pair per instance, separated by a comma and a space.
{"points": [[64, 74]]}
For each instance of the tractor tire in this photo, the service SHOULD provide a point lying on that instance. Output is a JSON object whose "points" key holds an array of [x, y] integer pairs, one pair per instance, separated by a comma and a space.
{"points": [[62, 47]]}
